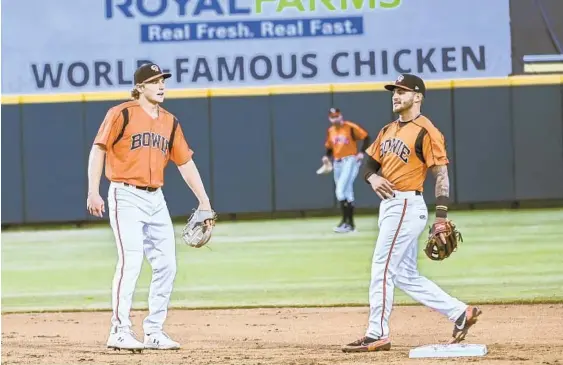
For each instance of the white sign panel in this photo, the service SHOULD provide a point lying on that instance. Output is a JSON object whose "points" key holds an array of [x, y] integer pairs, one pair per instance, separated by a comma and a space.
{"points": [[60, 46]]}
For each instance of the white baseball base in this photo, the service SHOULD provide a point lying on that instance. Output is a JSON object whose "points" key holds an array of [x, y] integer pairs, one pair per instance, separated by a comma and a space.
{"points": [[454, 350]]}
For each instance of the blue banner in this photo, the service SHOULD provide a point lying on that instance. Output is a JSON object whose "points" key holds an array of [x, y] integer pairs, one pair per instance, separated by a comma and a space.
{"points": [[251, 29], [85, 45]]}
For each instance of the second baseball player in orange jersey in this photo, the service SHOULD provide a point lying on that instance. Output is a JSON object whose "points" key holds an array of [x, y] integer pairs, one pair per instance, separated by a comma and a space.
{"points": [[342, 146], [406, 150], [397, 163]]}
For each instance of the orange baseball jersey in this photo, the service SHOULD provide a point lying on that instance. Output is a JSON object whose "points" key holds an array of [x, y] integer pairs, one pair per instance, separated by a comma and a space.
{"points": [[342, 139], [406, 152], [137, 146]]}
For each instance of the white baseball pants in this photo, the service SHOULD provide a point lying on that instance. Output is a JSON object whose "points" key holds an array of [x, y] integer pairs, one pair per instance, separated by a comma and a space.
{"points": [[401, 221], [141, 225], [345, 173]]}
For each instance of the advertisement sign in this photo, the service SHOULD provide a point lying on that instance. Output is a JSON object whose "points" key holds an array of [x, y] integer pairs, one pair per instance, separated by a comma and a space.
{"points": [[83, 45]]}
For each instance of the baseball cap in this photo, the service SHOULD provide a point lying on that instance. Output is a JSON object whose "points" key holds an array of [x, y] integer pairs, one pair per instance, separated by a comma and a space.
{"points": [[334, 112], [148, 72], [408, 82]]}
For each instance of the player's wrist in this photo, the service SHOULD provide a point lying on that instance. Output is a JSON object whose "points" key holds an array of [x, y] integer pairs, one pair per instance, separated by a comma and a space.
{"points": [[372, 177], [441, 211], [441, 207], [205, 204]]}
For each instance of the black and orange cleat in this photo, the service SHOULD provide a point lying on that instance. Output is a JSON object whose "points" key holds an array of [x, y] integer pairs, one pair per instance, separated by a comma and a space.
{"points": [[464, 322], [368, 344]]}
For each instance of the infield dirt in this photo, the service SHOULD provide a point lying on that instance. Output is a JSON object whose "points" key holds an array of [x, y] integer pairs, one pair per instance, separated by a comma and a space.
{"points": [[514, 334]]}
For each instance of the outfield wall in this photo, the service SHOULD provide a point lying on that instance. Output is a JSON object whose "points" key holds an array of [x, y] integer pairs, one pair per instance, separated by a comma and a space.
{"points": [[504, 139]]}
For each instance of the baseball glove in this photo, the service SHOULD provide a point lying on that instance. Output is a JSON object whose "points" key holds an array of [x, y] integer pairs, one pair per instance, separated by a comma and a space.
{"points": [[442, 240], [198, 229], [325, 168]]}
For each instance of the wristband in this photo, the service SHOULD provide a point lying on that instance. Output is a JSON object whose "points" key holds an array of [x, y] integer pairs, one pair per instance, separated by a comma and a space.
{"points": [[441, 207], [441, 211]]}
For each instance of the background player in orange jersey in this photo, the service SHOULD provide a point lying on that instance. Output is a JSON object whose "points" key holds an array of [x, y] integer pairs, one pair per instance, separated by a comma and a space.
{"points": [[396, 165], [137, 139], [341, 145]]}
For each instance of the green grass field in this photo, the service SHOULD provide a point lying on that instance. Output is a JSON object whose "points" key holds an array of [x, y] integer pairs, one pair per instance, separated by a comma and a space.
{"points": [[509, 255]]}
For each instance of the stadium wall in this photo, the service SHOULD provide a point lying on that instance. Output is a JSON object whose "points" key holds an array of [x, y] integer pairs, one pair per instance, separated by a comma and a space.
{"points": [[257, 149]]}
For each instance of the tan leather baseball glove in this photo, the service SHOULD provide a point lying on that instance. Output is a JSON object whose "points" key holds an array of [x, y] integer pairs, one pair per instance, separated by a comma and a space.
{"points": [[443, 240], [197, 231]]}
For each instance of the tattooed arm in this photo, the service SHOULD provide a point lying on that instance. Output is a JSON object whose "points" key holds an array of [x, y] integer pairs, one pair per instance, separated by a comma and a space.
{"points": [[442, 180], [442, 190]]}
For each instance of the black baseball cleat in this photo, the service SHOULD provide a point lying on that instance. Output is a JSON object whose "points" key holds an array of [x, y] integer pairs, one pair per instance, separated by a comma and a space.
{"points": [[368, 344], [464, 322]]}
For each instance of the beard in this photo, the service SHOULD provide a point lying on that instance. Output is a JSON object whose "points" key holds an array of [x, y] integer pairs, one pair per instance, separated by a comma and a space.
{"points": [[405, 105]]}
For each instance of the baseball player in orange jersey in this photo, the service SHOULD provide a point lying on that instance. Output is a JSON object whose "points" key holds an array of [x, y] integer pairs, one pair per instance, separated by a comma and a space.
{"points": [[137, 139], [341, 145], [396, 165]]}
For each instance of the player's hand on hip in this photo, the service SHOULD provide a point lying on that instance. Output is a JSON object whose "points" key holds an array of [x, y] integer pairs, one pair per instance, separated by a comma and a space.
{"points": [[95, 205], [359, 156], [382, 187]]}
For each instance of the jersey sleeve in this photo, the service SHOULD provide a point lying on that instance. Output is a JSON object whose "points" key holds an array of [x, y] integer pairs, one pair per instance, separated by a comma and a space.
{"points": [[108, 130], [374, 149], [359, 132], [434, 148], [181, 151]]}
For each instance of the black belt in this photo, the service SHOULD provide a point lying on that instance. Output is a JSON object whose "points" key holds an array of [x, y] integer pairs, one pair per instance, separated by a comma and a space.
{"points": [[146, 188], [416, 192]]}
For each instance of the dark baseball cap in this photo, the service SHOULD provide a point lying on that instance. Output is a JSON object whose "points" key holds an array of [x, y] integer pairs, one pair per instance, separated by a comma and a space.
{"points": [[334, 112], [408, 82], [148, 72]]}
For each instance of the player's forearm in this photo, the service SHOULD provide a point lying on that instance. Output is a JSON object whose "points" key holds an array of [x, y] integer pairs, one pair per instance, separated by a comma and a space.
{"points": [[95, 168], [191, 176], [371, 167], [442, 190]]}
